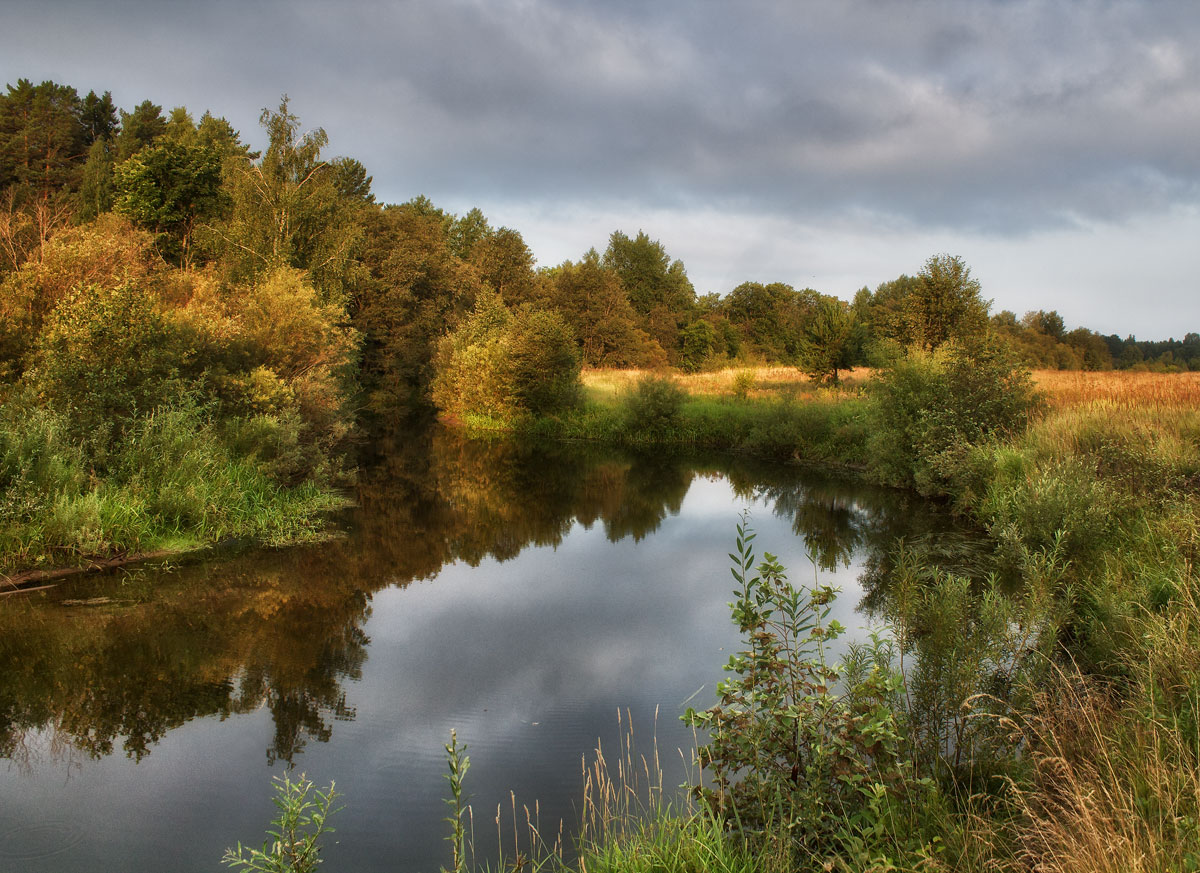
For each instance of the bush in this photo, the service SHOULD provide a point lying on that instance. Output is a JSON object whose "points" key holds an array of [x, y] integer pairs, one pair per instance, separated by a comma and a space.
{"points": [[273, 349], [975, 654], [273, 441], [931, 408], [107, 253], [106, 356], [304, 813], [543, 363], [743, 384], [654, 407], [506, 365], [802, 750], [37, 462]]}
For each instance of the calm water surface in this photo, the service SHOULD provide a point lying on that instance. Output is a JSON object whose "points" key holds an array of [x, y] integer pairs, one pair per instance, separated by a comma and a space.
{"points": [[520, 596]]}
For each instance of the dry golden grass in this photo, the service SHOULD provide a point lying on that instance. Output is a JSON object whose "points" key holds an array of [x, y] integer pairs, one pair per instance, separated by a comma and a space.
{"points": [[1119, 389], [621, 794], [768, 381], [1113, 792]]}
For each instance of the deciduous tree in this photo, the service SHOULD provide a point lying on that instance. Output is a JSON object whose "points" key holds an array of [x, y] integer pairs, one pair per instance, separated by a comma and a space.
{"points": [[770, 317], [657, 287], [505, 364], [288, 210], [593, 301], [414, 292], [945, 304], [168, 188]]}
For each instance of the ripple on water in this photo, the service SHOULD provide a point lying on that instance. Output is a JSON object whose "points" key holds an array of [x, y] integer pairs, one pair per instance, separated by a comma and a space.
{"points": [[40, 840]]}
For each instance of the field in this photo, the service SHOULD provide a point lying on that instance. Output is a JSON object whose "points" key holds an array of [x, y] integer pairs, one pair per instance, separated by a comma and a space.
{"points": [[767, 382], [1120, 389], [1063, 389]]}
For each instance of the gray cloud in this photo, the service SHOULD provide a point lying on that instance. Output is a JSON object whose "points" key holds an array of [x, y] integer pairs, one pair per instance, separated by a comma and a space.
{"points": [[994, 118]]}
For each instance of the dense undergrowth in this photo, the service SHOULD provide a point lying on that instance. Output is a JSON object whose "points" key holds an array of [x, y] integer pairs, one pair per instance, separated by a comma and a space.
{"points": [[178, 479]]}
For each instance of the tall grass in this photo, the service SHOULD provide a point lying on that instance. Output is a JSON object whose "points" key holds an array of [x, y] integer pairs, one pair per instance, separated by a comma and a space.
{"points": [[630, 822], [1111, 473], [1120, 389], [173, 483], [1115, 785]]}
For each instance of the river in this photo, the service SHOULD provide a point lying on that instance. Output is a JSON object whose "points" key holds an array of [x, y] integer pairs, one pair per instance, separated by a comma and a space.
{"points": [[523, 596]]}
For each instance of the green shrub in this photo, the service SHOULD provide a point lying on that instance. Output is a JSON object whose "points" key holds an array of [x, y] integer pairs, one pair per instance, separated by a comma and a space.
{"points": [[543, 363], [105, 357], [802, 749], [294, 843], [104, 522], [173, 481], [654, 407], [272, 349], [975, 654], [273, 441], [1064, 500], [743, 384], [931, 408], [505, 365], [37, 461]]}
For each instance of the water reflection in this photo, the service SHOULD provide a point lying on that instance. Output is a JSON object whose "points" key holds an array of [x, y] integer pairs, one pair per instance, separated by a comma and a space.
{"points": [[114, 667], [147, 651]]}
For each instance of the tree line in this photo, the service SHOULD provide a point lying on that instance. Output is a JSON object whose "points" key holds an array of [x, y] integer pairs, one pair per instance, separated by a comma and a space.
{"points": [[149, 257]]}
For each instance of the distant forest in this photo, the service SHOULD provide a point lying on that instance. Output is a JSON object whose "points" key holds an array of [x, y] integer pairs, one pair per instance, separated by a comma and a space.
{"points": [[276, 279]]}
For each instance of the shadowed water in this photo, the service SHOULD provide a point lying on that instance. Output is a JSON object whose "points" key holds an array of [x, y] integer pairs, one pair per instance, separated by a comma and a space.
{"points": [[519, 595]]}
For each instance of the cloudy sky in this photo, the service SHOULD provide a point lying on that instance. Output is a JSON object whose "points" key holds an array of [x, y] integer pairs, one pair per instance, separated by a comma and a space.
{"points": [[1052, 144]]}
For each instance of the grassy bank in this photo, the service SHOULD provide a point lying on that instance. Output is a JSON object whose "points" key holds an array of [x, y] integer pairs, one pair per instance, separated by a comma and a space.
{"points": [[773, 413], [1106, 775], [177, 481]]}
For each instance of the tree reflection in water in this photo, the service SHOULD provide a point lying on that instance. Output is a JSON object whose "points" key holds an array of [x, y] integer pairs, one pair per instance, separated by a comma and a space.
{"points": [[127, 657]]}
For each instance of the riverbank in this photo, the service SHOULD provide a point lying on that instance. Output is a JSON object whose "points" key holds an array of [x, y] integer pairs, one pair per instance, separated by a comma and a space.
{"points": [[1090, 761], [774, 413], [176, 484]]}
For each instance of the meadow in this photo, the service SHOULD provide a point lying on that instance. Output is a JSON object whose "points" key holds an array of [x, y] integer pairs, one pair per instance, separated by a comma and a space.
{"points": [[1125, 389], [1063, 388], [763, 383]]}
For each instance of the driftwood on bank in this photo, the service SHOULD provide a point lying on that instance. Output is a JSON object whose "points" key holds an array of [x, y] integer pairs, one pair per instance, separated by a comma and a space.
{"points": [[37, 580]]}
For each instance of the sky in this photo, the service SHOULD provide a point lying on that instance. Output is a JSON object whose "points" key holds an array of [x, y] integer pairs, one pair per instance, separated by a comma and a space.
{"points": [[1052, 144]]}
